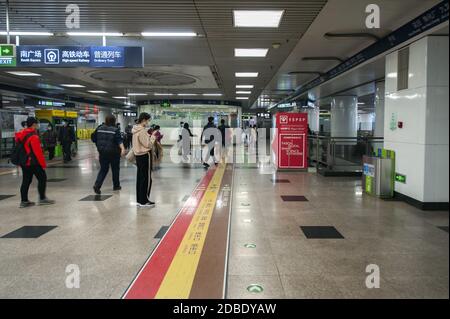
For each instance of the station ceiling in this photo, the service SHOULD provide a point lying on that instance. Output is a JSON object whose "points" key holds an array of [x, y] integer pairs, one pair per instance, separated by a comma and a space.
{"points": [[204, 64]]}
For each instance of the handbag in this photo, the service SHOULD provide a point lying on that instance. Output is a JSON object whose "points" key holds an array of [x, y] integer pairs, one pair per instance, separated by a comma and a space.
{"points": [[58, 150], [131, 157]]}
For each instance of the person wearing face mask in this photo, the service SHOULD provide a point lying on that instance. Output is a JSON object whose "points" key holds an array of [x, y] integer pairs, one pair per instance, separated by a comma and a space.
{"points": [[33, 165], [50, 140], [142, 148]]}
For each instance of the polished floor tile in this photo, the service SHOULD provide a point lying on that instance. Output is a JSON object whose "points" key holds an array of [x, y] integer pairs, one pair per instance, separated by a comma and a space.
{"points": [[321, 232], [29, 232], [95, 198]]}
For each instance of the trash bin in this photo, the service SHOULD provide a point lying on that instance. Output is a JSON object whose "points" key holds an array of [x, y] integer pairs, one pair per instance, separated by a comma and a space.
{"points": [[378, 176]]}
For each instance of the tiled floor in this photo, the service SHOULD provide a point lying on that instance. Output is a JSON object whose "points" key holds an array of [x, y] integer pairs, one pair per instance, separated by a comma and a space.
{"points": [[412, 253], [110, 240]]}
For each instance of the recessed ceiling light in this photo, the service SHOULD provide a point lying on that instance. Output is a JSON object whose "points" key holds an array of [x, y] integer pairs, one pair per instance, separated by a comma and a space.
{"points": [[187, 94], [97, 92], [95, 34], [246, 74], [23, 73], [251, 53], [169, 34], [137, 94], [73, 85], [361, 103], [257, 18], [243, 92], [120, 97], [245, 86], [241, 98], [27, 33], [212, 94], [163, 94]]}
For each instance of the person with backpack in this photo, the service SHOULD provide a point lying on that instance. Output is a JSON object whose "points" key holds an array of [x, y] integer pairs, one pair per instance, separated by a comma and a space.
{"points": [[109, 142], [142, 148], [50, 140], [29, 156]]}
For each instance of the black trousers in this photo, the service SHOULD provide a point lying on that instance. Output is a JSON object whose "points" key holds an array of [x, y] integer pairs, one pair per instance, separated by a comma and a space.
{"points": [[67, 151], [27, 178], [51, 152], [107, 160], [144, 178]]}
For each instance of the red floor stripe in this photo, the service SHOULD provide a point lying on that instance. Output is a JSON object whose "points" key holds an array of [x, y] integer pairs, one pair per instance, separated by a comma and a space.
{"points": [[148, 281]]}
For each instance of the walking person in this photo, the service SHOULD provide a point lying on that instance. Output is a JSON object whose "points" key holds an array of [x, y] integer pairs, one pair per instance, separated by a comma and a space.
{"points": [[50, 140], [32, 162], [109, 142], [209, 140], [142, 147], [223, 132], [66, 138], [186, 142]]}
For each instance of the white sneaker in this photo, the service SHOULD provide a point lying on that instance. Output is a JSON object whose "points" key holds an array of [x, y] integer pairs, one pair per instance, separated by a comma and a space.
{"points": [[148, 205]]}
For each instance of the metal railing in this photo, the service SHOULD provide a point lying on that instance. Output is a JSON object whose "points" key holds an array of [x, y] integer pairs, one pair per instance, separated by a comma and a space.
{"points": [[341, 155]]}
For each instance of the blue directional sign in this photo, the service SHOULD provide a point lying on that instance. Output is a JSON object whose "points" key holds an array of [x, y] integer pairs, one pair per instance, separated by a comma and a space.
{"points": [[41, 56]]}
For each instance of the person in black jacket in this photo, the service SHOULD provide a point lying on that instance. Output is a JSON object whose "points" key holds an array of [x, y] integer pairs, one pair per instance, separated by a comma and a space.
{"points": [[66, 137], [109, 142], [208, 134]]}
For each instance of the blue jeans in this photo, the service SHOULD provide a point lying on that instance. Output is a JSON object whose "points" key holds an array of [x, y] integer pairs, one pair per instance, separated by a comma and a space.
{"points": [[105, 162]]}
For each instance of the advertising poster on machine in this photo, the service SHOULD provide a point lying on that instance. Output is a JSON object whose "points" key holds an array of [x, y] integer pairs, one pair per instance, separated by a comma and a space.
{"points": [[291, 141]]}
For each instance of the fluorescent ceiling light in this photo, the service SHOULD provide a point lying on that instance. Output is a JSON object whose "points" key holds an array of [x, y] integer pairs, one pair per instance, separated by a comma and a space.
{"points": [[243, 92], [97, 92], [252, 53], [120, 97], [163, 94], [73, 85], [27, 33], [246, 74], [212, 94], [392, 75], [187, 94], [361, 103], [257, 18], [23, 73], [169, 34], [95, 34], [137, 94], [241, 98], [245, 86]]}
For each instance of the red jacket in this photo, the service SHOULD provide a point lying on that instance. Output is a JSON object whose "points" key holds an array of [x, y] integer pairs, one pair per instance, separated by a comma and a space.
{"points": [[33, 142]]}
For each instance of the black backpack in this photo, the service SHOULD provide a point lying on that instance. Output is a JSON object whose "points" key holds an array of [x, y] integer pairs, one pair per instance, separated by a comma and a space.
{"points": [[19, 155]]}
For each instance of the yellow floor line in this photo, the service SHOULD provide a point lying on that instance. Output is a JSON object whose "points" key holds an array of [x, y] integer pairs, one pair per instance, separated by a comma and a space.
{"points": [[178, 281]]}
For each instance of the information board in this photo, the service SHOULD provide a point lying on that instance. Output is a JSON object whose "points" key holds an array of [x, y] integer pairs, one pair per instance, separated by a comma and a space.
{"points": [[291, 140]]}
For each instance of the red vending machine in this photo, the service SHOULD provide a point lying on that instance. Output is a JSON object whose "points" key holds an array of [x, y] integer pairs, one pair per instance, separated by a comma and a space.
{"points": [[290, 144]]}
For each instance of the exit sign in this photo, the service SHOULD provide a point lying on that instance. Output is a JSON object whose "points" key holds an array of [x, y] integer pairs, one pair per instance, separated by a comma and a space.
{"points": [[7, 55], [7, 50], [400, 178]]}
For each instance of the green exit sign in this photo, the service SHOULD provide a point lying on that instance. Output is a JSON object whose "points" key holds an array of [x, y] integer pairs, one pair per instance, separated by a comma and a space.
{"points": [[165, 104], [7, 50], [400, 178]]}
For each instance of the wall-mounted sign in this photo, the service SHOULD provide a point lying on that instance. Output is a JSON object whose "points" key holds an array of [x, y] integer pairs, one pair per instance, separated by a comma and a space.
{"points": [[7, 55], [40, 56], [400, 178], [130, 114]]}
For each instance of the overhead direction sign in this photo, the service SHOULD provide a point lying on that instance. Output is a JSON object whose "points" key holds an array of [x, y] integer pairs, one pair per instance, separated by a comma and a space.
{"points": [[42, 56]]}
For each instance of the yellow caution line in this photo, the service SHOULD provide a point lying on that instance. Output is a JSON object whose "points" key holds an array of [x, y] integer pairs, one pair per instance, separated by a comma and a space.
{"points": [[179, 278]]}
